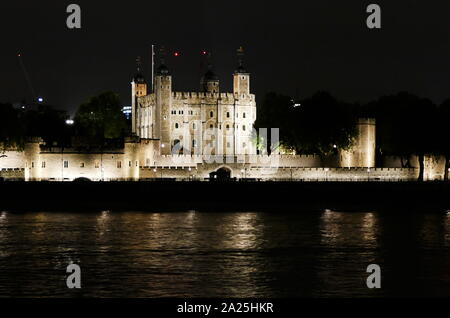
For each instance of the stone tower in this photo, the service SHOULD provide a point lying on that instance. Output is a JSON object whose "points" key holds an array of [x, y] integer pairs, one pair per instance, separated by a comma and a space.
{"points": [[163, 98], [241, 78], [138, 89], [209, 82], [362, 154]]}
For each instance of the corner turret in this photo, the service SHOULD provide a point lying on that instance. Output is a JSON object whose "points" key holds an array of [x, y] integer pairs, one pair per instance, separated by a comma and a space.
{"points": [[241, 78]]}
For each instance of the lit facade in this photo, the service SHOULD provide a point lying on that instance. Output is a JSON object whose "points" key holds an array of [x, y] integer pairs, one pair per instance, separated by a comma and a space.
{"points": [[207, 122]]}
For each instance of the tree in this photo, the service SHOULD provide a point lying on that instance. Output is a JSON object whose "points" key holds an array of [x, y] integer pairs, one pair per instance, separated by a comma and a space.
{"points": [[101, 118], [11, 129], [405, 126], [46, 122], [317, 125], [323, 125], [276, 112]]}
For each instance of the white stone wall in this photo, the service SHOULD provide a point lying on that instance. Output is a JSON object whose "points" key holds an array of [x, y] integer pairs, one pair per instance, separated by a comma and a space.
{"points": [[202, 172], [434, 166], [142, 160], [12, 159], [186, 117], [67, 164], [12, 165]]}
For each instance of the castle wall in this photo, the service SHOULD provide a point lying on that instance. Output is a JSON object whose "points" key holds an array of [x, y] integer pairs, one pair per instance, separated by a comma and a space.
{"points": [[13, 174], [32, 161], [12, 165], [434, 166], [202, 172], [148, 151], [68, 164], [12, 159], [141, 161]]}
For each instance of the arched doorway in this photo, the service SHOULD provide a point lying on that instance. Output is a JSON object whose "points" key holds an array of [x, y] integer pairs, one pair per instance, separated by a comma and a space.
{"points": [[221, 174]]}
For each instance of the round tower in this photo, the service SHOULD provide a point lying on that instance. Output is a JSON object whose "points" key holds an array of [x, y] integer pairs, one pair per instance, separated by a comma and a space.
{"points": [[362, 153]]}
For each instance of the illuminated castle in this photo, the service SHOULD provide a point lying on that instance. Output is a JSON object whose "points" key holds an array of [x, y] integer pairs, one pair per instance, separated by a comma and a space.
{"points": [[207, 122], [199, 136]]}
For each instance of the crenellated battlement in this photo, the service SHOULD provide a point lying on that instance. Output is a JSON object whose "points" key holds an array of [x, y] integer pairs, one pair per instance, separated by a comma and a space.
{"points": [[197, 97], [146, 100]]}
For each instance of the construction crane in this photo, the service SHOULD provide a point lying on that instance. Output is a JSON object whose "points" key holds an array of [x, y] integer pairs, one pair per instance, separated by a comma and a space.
{"points": [[28, 80]]}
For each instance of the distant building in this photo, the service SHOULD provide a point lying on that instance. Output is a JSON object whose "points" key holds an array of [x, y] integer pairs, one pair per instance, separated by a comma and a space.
{"points": [[126, 110]]}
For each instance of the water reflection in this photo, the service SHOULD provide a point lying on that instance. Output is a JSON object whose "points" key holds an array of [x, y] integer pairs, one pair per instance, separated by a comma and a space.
{"points": [[192, 254], [447, 229], [355, 229], [241, 231], [4, 234], [349, 244]]}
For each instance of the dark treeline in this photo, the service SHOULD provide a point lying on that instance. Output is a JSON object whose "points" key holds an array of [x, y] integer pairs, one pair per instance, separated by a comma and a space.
{"points": [[406, 125], [16, 124], [99, 122]]}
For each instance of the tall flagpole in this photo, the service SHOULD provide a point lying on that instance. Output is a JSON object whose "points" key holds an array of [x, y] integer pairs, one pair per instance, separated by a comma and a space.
{"points": [[153, 68]]}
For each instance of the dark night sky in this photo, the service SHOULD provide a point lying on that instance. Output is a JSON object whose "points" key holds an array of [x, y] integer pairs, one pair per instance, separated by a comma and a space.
{"points": [[293, 47]]}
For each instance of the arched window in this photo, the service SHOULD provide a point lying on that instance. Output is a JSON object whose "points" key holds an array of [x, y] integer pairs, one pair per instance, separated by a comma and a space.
{"points": [[243, 115], [228, 127], [211, 114], [193, 126], [228, 114], [243, 128], [211, 126], [177, 126]]}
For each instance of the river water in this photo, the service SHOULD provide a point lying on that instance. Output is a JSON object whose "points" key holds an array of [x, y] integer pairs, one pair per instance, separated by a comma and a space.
{"points": [[251, 254]]}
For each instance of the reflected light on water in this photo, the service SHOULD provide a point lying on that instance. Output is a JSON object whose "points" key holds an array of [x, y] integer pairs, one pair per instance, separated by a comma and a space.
{"points": [[242, 230], [348, 228], [103, 223], [105, 214], [190, 217], [195, 254], [369, 227], [40, 226], [4, 233], [447, 228]]}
